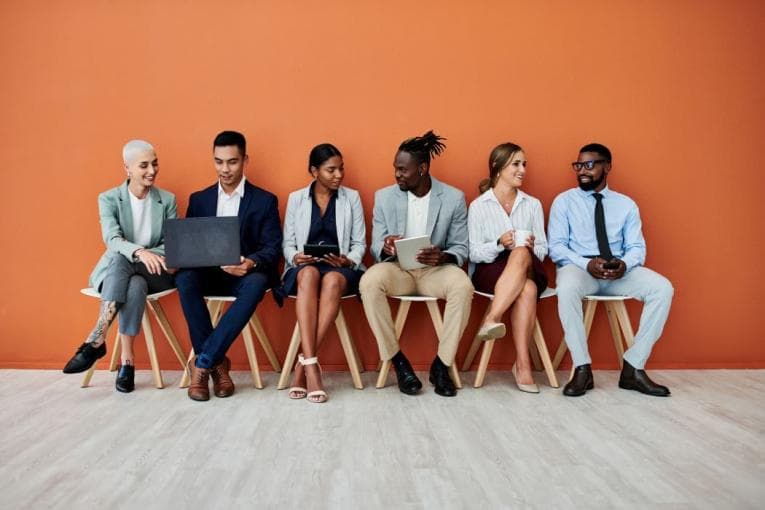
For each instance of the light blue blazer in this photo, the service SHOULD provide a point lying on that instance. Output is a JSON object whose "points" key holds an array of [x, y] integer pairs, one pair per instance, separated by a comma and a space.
{"points": [[446, 225], [349, 218], [117, 226]]}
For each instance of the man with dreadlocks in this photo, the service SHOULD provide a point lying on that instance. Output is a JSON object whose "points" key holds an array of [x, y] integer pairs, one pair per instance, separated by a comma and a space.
{"points": [[419, 205]]}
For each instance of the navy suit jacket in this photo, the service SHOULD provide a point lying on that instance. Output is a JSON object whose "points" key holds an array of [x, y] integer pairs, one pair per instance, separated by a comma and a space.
{"points": [[260, 232]]}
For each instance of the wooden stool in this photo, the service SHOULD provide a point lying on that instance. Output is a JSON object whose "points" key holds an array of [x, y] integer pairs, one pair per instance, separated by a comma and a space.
{"points": [[537, 349], [617, 318], [152, 303], [355, 364], [215, 305], [438, 325]]}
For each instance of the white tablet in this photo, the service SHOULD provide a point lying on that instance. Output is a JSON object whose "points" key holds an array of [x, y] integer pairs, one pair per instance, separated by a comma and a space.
{"points": [[406, 251]]}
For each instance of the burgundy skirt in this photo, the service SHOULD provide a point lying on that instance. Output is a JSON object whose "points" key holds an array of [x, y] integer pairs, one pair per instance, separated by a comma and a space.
{"points": [[485, 275]]}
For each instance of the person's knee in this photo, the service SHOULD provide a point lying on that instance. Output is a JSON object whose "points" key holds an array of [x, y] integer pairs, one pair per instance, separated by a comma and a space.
{"points": [[520, 257], [461, 287], [308, 278], [137, 288], [332, 283], [185, 279], [663, 289], [372, 281]]}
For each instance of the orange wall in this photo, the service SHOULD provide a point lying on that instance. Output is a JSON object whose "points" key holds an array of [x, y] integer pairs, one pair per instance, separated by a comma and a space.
{"points": [[674, 88]]}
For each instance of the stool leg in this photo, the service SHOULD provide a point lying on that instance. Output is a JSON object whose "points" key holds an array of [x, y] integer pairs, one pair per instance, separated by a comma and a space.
{"points": [[350, 354], [589, 312], [115, 351], [289, 359], [541, 348], [167, 330], [438, 324], [252, 357], [534, 356], [624, 321], [398, 326], [257, 327], [613, 323], [483, 364], [149, 336], [186, 379], [113, 361], [474, 346]]}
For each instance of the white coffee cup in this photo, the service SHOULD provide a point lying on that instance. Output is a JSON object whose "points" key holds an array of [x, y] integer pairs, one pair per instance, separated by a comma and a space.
{"points": [[520, 237]]}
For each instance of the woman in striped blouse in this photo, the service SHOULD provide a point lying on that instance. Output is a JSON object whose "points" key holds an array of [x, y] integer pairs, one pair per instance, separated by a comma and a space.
{"points": [[507, 246]]}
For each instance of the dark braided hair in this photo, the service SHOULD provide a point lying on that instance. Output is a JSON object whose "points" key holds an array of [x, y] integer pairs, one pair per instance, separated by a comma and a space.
{"points": [[424, 147]]}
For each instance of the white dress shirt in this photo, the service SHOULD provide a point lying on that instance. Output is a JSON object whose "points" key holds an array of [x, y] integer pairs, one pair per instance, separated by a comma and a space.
{"points": [[141, 212], [488, 220], [228, 205], [417, 215]]}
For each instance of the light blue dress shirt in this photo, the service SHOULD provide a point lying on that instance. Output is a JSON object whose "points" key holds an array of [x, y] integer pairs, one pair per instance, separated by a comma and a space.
{"points": [[571, 230]]}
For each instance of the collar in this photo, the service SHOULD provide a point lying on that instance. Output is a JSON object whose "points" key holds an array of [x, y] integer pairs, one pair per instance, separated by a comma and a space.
{"points": [[332, 195], [239, 190], [489, 196], [605, 192], [411, 197]]}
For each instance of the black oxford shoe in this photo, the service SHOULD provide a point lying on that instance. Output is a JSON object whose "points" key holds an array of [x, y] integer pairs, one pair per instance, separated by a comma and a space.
{"points": [[439, 377], [84, 358], [580, 383], [636, 379], [408, 382], [125, 381]]}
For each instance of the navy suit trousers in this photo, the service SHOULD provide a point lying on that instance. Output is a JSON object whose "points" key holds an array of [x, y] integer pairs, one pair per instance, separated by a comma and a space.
{"points": [[211, 344]]}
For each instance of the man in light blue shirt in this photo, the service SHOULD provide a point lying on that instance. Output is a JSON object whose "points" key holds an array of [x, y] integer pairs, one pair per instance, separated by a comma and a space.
{"points": [[597, 244]]}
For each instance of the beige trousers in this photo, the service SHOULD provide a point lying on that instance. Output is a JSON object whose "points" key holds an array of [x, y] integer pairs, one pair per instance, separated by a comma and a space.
{"points": [[447, 282]]}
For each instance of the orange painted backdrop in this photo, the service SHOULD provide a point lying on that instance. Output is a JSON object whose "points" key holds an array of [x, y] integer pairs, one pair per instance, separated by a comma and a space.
{"points": [[674, 88]]}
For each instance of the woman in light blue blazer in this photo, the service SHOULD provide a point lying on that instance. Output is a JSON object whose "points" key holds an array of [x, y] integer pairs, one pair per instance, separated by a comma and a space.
{"points": [[330, 214], [133, 265]]}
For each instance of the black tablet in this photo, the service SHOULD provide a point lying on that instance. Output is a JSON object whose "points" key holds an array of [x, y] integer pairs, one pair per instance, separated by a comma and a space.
{"points": [[319, 250]]}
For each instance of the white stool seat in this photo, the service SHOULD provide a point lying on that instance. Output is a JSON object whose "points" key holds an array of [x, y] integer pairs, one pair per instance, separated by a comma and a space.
{"points": [[415, 299], [598, 297], [91, 292], [355, 364], [152, 302], [538, 349]]}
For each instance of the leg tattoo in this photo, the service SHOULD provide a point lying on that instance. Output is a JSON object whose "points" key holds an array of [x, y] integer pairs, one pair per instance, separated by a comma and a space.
{"points": [[105, 318]]}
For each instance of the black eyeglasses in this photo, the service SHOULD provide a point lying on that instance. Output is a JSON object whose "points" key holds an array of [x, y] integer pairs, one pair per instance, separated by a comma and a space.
{"points": [[589, 165]]}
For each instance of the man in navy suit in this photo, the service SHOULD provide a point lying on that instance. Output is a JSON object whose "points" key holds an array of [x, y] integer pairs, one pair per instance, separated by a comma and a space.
{"points": [[260, 239]]}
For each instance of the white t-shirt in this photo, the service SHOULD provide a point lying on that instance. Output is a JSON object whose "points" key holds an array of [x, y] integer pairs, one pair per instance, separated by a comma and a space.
{"points": [[417, 215], [141, 209]]}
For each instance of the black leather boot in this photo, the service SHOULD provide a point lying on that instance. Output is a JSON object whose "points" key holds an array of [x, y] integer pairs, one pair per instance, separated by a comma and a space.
{"points": [[636, 379], [580, 383], [407, 380], [440, 378]]}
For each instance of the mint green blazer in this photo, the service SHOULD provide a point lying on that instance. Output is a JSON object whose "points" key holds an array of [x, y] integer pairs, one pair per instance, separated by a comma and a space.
{"points": [[117, 226]]}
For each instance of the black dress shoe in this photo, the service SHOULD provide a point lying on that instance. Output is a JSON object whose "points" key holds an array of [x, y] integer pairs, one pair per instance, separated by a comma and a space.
{"points": [[125, 381], [84, 358], [439, 377], [407, 380], [580, 383], [636, 379]]}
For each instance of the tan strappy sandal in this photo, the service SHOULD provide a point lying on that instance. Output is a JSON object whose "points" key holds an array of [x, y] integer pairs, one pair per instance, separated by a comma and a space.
{"points": [[317, 396]]}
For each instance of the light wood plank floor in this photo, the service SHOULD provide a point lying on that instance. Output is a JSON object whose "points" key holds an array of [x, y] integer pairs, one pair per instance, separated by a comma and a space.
{"points": [[494, 447]]}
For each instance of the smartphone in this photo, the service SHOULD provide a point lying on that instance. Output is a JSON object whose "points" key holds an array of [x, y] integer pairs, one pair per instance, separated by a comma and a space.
{"points": [[611, 264]]}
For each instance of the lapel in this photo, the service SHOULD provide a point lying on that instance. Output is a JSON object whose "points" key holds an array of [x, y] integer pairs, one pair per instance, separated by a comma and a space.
{"points": [[157, 216], [434, 206], [125, 212], [303, 220], [341, 206], [244, 205], [401, 206]]}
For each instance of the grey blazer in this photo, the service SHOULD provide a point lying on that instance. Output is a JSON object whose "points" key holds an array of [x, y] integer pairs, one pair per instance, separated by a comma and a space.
{"points": [[349, 220], [117, 226], [447, 219]]}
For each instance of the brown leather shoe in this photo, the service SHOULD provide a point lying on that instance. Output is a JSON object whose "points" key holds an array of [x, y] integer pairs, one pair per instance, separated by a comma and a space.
{"points": [[223, 386], [199, 389]]}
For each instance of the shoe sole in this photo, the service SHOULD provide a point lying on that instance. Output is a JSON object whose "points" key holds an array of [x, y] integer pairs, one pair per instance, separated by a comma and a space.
{"points": [[633, 388]]}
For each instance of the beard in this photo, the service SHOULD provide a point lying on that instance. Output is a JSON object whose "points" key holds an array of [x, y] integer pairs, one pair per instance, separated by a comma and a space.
{"points": [[589, 186]]}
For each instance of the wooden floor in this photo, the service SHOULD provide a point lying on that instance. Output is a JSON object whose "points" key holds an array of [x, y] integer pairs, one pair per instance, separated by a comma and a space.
{"points": [[494, 447]]}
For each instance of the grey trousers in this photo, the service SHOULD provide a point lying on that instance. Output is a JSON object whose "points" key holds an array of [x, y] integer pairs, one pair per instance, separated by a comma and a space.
{"points": [[654, 290], [128, 283]]}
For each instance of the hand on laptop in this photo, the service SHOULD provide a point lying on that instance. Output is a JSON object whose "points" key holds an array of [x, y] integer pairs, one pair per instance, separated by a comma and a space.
{"points": [[240, 269], [154, 263]]}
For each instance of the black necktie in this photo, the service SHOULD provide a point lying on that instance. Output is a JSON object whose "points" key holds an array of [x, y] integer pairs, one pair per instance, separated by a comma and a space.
{"points": [[600, 228]]}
